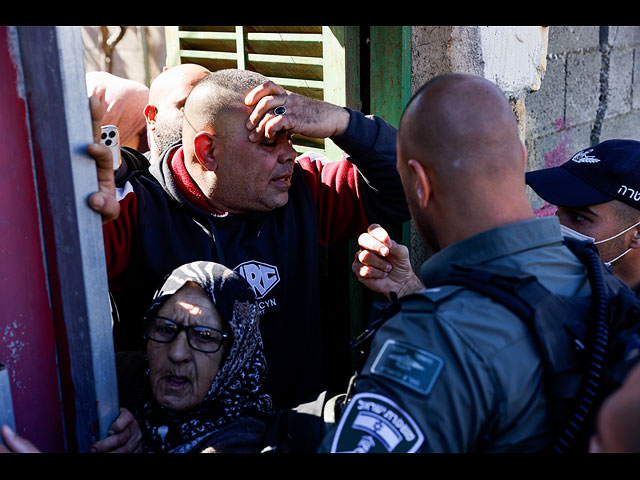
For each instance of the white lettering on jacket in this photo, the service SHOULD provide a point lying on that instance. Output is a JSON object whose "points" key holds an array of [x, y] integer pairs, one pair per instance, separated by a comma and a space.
{"points": [[261, 276]]}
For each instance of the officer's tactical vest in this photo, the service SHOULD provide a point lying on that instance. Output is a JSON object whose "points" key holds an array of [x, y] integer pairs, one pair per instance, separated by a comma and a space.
{"points": [[588, 344]]}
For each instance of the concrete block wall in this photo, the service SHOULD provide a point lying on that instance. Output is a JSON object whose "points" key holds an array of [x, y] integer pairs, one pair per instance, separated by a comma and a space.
{"points": [[590, 92]]}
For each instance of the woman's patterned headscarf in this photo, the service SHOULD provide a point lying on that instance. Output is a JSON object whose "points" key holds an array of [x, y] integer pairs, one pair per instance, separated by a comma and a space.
{"points": [[236, 389]]}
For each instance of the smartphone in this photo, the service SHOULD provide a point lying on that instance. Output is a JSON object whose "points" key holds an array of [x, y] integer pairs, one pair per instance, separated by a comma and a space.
{"points": [[110, 138]]}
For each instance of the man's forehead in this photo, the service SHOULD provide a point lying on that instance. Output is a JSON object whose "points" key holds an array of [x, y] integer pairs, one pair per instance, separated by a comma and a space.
{"points": [[604, 212], [234, 118], [585, 209]]}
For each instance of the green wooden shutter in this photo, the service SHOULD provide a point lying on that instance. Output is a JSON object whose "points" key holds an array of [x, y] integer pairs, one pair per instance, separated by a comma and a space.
{"points": [[310, 60]]}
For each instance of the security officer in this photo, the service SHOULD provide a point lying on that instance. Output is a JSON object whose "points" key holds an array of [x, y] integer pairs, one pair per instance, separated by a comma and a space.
{"points": [[453, 371], [597, 193]]}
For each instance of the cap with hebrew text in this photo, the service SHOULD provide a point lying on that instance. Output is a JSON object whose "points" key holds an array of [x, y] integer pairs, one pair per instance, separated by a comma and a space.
{"points": [[607, 171]]}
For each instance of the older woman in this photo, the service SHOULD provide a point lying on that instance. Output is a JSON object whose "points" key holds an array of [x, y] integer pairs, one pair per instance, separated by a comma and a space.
{"points": [[206, 368]]}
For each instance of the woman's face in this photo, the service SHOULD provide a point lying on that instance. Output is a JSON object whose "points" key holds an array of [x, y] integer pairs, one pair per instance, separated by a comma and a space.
{"points": [[181, 376]]}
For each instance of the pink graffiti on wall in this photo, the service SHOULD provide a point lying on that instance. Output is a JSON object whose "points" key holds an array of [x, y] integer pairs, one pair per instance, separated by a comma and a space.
{"points": [[557, 156]]}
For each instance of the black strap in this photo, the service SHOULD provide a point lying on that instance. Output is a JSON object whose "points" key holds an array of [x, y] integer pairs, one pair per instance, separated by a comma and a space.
{"points": [[380, 313], [523, 294], [519, 292]]}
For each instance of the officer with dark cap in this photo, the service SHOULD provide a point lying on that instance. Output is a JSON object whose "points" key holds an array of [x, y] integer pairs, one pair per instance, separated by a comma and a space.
{"points": [[597, 193]]}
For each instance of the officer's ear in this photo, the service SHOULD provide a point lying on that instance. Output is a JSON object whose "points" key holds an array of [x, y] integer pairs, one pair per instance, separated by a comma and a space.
{"points": [[420, 182], [635, 238], [204, 144], [523, 149]]}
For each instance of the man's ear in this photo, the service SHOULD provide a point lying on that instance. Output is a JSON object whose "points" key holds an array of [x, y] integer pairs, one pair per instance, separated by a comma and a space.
{"points": [[420, 182], [523, 149], [203, 147], [150, 112], [635, 239]]}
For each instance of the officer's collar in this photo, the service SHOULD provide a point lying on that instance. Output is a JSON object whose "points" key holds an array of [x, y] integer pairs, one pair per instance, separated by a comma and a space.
{"points": [[491, 245]]}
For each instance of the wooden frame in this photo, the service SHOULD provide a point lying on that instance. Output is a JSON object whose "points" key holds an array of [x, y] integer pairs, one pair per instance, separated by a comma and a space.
{"points": [[52, 63], [6, 403]]}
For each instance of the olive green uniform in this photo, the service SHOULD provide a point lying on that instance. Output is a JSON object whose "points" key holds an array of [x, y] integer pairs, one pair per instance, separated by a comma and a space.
{"points": [[454, 371]]}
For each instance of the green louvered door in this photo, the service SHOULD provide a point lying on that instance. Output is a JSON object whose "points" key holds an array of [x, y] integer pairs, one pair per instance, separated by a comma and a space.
{"points": [[310, 60]]}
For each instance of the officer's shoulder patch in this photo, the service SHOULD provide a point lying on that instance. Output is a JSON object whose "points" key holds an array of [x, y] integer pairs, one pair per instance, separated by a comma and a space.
{"points": [[372, 423], [428, 299], [413, 367], [438, 294]]}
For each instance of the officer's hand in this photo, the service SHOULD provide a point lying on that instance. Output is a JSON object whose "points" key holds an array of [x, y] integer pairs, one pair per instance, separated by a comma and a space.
{"points": [[304, 116], [383, 265], [104, 200], [124, 436], [15, 443]]}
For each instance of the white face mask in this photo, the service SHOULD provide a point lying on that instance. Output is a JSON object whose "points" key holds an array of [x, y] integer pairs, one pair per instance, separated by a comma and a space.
{"points": [[568, 232]]}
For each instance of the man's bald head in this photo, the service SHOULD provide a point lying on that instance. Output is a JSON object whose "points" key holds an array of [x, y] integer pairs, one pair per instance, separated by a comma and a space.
{"points": [[461, 159], [460, 126], [187, 74], [216, 100], [167, 96]]}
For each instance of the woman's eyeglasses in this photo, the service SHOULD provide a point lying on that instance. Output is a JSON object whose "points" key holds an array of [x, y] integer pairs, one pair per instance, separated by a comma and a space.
{"points": [[203, 339]]}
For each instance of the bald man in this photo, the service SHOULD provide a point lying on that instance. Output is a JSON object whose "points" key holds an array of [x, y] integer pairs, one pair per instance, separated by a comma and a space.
{"points": [[453, 371], [235, 191], [163, 116], [163, 112]]}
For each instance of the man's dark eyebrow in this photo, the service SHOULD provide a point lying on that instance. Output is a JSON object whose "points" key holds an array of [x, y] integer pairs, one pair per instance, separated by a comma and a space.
{"points": [[286, 133], [585, 210]]}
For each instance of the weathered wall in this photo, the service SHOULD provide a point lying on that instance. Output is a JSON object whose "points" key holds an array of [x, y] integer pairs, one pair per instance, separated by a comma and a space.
{"points": [[586, 90], [512, 57], [590, 93], [139, 55]]}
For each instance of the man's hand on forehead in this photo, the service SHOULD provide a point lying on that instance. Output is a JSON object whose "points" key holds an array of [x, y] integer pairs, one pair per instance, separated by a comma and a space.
{"points": [[305, 116], [263, 122]]}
